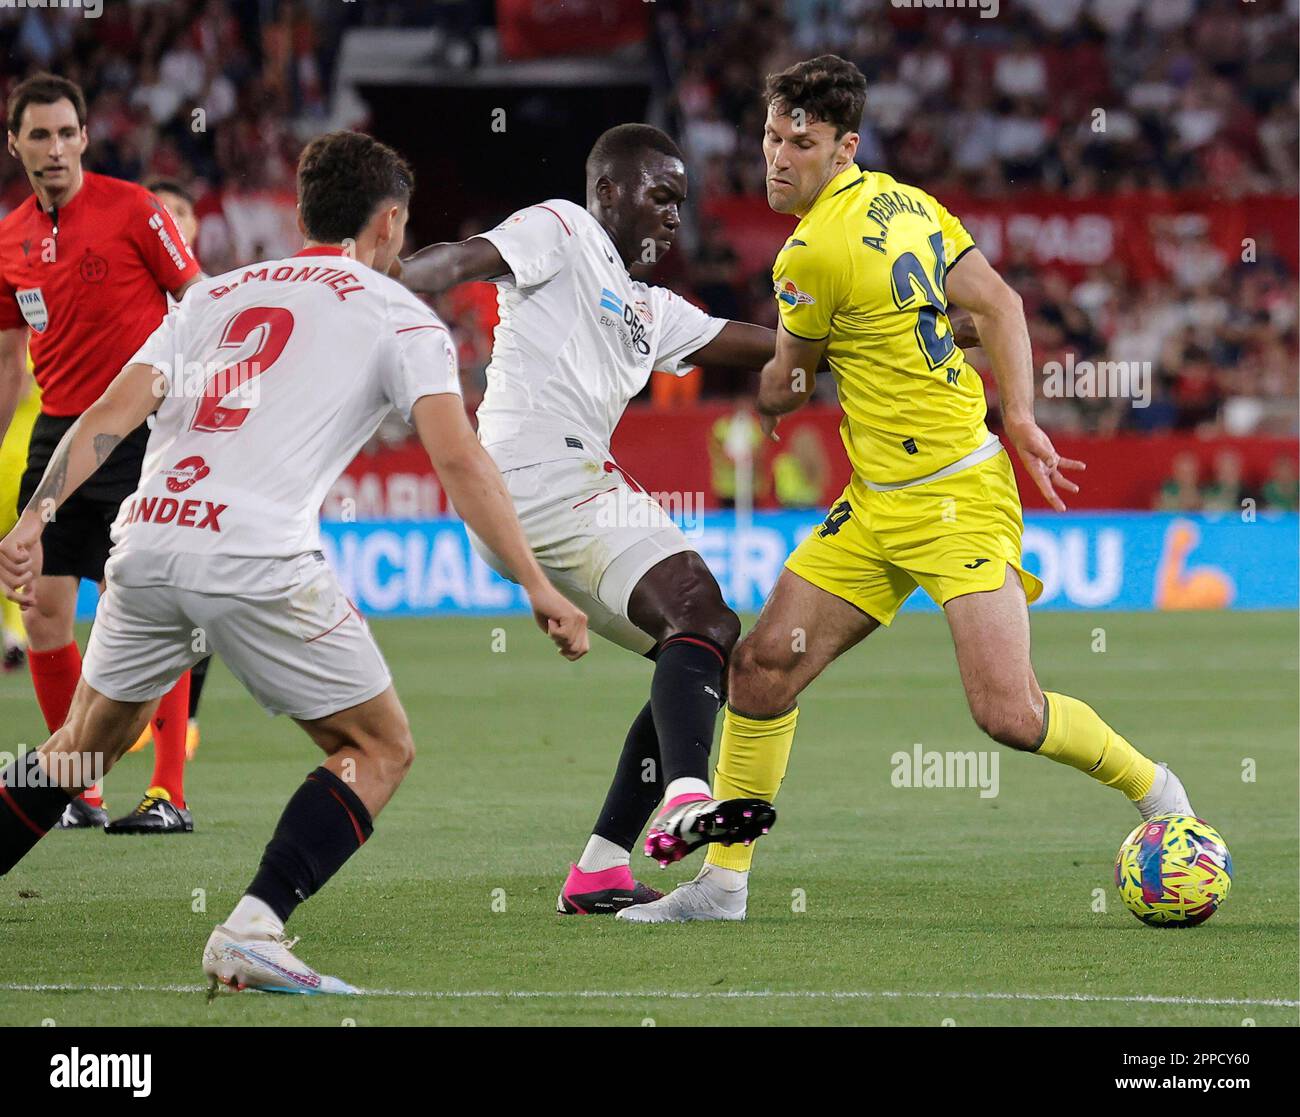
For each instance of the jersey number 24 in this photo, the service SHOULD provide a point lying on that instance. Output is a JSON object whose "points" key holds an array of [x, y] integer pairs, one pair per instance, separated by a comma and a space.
{"points": [[910, 283]]}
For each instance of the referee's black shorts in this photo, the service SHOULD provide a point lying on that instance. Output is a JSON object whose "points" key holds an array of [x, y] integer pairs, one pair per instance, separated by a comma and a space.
{"points": [[76, 542]]}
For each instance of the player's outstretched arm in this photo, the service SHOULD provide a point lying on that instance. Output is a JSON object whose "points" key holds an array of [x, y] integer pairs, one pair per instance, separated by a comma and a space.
{"points": [[440, 267], [478, 494], [788, 378], [134, 394], [737, 345], [999, 318]]}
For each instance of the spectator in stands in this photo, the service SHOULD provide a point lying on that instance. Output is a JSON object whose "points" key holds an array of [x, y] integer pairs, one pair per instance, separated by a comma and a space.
{"points": [[1227, 489], [801, 472], [1196, 392], [1196, 93], [1181, 492], [1281, 492], [715, 273], [736, 445]]}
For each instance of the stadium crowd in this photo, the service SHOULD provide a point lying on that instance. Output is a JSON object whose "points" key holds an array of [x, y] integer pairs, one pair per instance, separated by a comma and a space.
{"points": [[220, 96], [1194, 94]]}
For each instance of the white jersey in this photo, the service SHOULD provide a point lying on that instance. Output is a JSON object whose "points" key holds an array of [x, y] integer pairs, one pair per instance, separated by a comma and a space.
{"points": [[577, 339], [277, 374]]}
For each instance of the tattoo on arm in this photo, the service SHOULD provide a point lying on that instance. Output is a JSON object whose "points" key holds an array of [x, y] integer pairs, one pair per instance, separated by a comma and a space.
{"points": [[56, 475], [50, 492], [104, 445]]}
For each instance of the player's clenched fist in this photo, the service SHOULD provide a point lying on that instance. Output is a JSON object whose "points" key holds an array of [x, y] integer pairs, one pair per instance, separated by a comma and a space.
{"points": [[561, 620], [20, 560]]}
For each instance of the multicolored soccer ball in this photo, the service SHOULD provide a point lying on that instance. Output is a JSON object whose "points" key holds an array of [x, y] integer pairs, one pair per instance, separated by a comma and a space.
{"points": [[1173, 871]]}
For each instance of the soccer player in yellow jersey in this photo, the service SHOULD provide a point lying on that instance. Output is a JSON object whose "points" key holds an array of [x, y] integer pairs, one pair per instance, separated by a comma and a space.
{"points": [[864, 284], [13, 460]]}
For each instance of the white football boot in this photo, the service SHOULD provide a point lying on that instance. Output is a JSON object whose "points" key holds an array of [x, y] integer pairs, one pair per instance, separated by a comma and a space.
{"points": [[1167, 796], [259, 961], [713, 894]]}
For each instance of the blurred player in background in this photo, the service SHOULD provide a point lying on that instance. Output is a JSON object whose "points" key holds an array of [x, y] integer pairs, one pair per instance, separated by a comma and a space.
{"points": [[86, 265], [577, 339], [236, 467], [180, 204], [865, 282], [13, 461]]}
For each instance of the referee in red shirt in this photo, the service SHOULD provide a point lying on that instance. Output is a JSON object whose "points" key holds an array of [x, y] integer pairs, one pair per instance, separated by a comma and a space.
{"points": [[86, 265]]}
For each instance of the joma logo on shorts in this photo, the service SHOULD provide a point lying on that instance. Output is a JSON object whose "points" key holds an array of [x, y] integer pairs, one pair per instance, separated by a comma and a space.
{"points": [[151, 509]]}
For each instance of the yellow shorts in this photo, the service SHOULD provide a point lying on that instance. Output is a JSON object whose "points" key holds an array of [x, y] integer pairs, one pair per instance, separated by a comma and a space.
{"points": [[952, 536]]}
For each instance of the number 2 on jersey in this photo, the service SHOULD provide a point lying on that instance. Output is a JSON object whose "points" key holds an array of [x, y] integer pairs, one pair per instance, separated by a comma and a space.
{"points": [[907, 268], [276, 325]]}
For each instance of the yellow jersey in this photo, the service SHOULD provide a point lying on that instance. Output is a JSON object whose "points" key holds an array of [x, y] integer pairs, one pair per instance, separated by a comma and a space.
{"points": [[865, 269], [13, 450]]}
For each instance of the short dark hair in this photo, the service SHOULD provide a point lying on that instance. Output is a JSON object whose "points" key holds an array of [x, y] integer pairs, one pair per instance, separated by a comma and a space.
{"points": [[624, 143], [43, 89], [828, 88], [343, 178], [169, 186]]}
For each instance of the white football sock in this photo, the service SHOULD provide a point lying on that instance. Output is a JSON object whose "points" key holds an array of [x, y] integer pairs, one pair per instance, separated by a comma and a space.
{"points": [[601, 853], [729, 880], [686, 785], [254, 917]]}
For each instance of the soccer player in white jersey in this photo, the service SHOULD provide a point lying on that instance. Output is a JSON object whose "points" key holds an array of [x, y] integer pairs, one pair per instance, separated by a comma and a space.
{"points": [[577, 339], [265, 385]]}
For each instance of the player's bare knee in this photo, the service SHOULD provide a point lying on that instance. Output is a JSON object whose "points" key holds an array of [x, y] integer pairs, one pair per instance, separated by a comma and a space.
{"points": [[759, 681], [395, 750], [716, 623], [404, 752], [727, 631], [49, 625], [1009, 722], [699, 609]]}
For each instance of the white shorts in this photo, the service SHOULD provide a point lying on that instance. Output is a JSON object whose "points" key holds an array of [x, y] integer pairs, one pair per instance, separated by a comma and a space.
{"points": [[303, 651], [595, 535]]}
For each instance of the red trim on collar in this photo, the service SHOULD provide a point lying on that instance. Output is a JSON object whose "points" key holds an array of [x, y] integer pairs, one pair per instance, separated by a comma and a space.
{"points": [[320, 250]]}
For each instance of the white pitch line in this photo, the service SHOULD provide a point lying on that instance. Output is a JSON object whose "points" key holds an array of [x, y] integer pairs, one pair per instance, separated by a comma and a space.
{"points": [[686, 995]]}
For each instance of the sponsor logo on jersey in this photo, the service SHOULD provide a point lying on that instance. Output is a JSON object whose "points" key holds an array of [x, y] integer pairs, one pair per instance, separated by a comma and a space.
{"points": [[159, 226], [184, 513], [633, 333], [789, 294], [31, 301], [185, 473]]}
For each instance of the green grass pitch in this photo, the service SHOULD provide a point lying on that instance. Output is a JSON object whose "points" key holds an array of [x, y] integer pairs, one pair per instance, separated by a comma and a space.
{"points": [[871, 904]]}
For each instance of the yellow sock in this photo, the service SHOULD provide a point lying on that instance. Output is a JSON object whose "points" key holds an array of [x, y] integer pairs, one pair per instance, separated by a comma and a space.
{"points": [[13, 620], [1078, 737], [751, 765]]}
